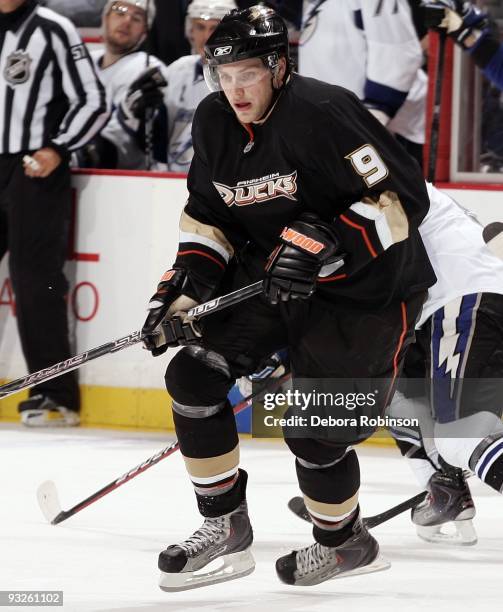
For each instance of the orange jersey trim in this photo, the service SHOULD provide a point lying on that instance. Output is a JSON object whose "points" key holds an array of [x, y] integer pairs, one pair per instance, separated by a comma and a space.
{"points": [[363, 231], [327, 279], [403, 308], [203, 254]]}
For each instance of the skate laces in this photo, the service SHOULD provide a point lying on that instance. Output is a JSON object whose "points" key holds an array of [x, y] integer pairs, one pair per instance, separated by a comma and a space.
{"points": [[312, 558], [207, 534]]}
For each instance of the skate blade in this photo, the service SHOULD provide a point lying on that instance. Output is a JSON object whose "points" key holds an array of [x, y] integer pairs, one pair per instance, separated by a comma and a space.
{"points": [[235, 565], [379, 564], [461, 533]]}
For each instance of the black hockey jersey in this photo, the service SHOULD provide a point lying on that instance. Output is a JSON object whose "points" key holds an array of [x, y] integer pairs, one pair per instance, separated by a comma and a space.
{"points": [[320, 151]]}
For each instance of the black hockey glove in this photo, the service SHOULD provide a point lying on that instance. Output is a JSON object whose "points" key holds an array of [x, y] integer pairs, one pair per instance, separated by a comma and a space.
{"points": [[144, 93], [293, 267], [166, 323], [459, 18]]}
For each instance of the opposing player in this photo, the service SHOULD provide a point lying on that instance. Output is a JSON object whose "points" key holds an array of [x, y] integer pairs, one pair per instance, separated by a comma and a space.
{"points": [[458, 351], [449, 521], [186, 88], [460, 339], [121, 66], [328, 213], [370, 47]]}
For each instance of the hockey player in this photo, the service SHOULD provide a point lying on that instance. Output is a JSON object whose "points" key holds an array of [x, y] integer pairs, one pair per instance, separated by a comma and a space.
{"points": [[121, 65], [327, 206], [470, 28], [460, 342], [186, 88], [449, 519], [371, 48]]}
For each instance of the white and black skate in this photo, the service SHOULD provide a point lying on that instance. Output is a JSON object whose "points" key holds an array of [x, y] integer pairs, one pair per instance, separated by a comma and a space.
{"points": [[218, 551], [317, 563], [445, 515], [42, 411]]}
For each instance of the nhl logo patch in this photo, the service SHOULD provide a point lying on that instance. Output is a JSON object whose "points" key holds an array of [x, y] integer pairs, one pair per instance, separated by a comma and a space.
{"points": [[249, 147], [17, 68]]}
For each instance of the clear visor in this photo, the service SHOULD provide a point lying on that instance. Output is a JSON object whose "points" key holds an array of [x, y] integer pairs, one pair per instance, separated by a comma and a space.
{"points": [[237, 75], [137, 15]]}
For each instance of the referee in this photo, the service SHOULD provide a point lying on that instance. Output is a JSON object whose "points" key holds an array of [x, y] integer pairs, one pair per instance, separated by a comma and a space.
{"points": [[51, 104]]}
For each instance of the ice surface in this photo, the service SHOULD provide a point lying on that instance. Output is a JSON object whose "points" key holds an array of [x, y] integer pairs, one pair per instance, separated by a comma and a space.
{"points": [[105, 558]]}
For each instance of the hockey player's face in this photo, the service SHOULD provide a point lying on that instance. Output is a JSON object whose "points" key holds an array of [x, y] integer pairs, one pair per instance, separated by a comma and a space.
{"points": [[247, 86], [125, 26], [200, 31]]}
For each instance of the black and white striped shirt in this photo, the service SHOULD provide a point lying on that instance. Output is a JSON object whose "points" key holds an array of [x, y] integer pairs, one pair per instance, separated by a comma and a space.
{"points": [[50, 94]]}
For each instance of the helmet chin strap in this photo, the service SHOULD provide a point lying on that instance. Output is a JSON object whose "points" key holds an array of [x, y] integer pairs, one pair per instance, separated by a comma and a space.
{"points": [[276, 91], [275, 95]]}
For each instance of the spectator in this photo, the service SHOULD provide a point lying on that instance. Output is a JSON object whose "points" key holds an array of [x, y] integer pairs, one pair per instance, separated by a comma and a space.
{"points": [[186, 88], [45, 114], [125, 26]]}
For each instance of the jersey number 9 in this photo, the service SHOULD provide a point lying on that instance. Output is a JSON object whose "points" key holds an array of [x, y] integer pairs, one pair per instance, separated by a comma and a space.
{"points": [[368, 164]]}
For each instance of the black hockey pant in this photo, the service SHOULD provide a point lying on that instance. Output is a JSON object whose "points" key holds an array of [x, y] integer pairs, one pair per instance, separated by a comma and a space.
{"points": [[324, 341]]}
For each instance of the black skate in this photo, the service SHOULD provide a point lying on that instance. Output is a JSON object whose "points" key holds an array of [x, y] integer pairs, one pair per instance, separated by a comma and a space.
{"points": [[445, 515], [317, 563], [220, 547]]}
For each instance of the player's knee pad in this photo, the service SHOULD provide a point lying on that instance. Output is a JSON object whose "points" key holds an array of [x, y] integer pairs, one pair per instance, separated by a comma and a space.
{"points": [[456, 441], [212, 438], [316, 453], [198, 381]]}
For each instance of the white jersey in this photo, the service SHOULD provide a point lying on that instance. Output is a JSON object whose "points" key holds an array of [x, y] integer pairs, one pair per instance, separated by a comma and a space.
{"points": [[410, 120], [462, 261], [186, 88], [117, 78], [371, 48]]}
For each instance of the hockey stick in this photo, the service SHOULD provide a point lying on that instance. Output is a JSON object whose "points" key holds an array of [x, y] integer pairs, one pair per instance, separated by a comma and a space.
{"points": [[47, 493], [298, 507], [73, 363], [437, 103]]}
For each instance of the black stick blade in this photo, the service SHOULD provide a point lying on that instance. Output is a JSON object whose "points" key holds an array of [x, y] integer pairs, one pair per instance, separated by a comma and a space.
{"points": [[298, 507]]}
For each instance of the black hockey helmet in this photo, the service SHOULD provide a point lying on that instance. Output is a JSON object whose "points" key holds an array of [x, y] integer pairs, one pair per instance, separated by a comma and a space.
{"points": [[257, 31]]}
